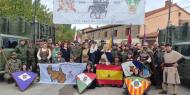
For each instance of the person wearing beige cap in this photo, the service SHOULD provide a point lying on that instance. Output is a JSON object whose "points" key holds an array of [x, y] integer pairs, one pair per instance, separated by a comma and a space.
{"points": [[13, 64]]}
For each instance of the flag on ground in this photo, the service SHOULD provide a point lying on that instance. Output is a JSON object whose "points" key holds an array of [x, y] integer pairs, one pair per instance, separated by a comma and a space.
{"points": [[137, 85], [128, 68], [109, 74], [24, 79], [84, 80]]}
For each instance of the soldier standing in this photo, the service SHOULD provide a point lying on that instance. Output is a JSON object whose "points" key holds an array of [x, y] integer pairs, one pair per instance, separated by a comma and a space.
{"points": [[76, 52], [31, 57], [21, 51], [12, 66], [158, 60], [170, 73]]}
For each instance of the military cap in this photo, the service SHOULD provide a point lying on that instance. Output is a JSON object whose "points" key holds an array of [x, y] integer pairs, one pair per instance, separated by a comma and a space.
{"points": [[13, 54], [168, 44]]}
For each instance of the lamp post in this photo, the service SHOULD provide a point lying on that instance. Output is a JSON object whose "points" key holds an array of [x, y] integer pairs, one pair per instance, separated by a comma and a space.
{"points": [[169, 23], [34, 23]]}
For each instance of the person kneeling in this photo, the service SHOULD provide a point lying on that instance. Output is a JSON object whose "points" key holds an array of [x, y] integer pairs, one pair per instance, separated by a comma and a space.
{"points": [[13, 65]]}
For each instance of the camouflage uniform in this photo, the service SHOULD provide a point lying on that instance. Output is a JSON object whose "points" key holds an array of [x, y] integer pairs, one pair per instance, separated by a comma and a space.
{"points": [[21, 50], [76, 52], [12, 65], [158, 60], [32, 58]]}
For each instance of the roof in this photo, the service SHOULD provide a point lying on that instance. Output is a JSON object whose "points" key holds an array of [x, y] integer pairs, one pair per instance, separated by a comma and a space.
{"points": [[164, 8], [88, 28], [147, 14], [100, 28]]}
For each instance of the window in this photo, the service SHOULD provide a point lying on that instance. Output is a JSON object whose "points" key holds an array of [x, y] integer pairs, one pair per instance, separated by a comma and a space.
{"points": [[99, 35], [9, 42], [127, 31], [115, 33], [185, 50], [105, 34]]}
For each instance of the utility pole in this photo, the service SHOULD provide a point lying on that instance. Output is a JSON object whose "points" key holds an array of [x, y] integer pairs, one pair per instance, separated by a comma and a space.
{"points": [[34, 22], [169, 21]]}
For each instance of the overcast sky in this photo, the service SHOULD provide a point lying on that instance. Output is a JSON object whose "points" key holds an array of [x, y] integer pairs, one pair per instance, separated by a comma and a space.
{"points": [[150, 5]]}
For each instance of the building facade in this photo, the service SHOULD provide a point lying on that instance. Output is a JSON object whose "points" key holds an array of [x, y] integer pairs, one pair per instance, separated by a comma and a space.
{"points": [[118, 32], [158, 19]]}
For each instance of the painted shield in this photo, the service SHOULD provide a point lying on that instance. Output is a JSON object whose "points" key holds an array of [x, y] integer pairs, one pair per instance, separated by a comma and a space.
{"points": [[128, 68], [84, 80], [137, 85], [24, 79]]}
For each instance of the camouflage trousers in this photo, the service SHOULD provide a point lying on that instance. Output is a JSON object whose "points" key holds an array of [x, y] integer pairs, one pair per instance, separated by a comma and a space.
{"points": [[7, 76]]}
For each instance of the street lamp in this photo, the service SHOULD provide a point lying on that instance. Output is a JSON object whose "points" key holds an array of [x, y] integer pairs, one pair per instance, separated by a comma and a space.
{"points": [[34, 22]]}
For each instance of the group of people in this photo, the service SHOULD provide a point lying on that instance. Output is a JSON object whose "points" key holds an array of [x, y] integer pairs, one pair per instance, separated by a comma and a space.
{"points": [[160, 60]]}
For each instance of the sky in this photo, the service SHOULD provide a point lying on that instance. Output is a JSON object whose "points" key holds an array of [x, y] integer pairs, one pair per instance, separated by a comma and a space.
{"points": [[149, 5]]}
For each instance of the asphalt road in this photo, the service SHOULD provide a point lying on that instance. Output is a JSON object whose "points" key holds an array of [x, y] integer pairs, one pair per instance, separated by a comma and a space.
{"points": [[47, 89]]}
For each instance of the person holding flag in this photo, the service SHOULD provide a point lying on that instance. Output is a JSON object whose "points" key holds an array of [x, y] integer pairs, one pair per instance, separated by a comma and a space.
{"points": [[106, 54], [14, 64]]}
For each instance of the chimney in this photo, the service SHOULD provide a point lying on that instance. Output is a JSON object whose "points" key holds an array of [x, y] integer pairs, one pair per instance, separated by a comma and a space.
{"points": [[167, 3]]}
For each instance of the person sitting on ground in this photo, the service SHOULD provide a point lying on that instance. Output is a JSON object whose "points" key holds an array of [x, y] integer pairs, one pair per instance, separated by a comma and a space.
{"points": [[90, 69], [71, 60], [102, 61], [85, 59], [59, 58], [13, 65]]}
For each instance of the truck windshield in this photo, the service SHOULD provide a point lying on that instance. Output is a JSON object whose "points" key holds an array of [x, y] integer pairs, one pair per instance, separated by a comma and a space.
{"points": [[9, 42], [185, 50]]}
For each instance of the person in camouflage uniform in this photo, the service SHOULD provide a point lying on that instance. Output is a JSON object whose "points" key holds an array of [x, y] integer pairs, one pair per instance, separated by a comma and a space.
{"points": [[31, 57], [76, 52], [158, 60], [12, 65], [115, 52], [21, 50]]}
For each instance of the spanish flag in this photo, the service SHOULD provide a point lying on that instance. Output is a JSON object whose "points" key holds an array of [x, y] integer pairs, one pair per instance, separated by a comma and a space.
{"points": [[137, 85], [109, 74]]}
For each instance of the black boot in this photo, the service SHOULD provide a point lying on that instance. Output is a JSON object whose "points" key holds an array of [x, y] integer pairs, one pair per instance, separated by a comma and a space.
{"points": [[163, 92]]}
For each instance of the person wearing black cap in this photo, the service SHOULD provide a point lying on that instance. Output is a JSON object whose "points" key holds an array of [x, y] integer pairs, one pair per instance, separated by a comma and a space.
{"points": [[13, 65], [21, 50], [158, 60], [170, 73], [31, 57]]}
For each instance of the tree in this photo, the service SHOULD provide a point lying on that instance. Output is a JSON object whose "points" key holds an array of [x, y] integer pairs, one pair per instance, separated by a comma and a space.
{"points": [[26, 9], [65, 32]]}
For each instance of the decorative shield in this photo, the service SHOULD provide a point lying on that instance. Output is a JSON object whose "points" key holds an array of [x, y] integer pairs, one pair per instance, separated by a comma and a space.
{"points": [[137, 85], [84, 80], [24, 79], [128, 68]]}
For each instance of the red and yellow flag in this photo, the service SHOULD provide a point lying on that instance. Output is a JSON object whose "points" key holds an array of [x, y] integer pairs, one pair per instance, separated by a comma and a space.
{"points": [[109, 74], [137, 85]]}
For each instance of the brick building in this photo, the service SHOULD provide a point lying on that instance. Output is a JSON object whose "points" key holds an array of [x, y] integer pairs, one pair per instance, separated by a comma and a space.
{"points": [[156, 20], [119, 32]]}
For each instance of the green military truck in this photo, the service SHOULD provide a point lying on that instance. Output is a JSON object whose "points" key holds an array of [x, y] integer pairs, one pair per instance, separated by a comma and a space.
{"points": [[179, 37], [14, 29], [7, 45]]}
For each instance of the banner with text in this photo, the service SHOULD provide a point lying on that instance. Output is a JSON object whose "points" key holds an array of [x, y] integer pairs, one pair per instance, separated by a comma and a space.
{"points": [[60, 73], [99, 12]]}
